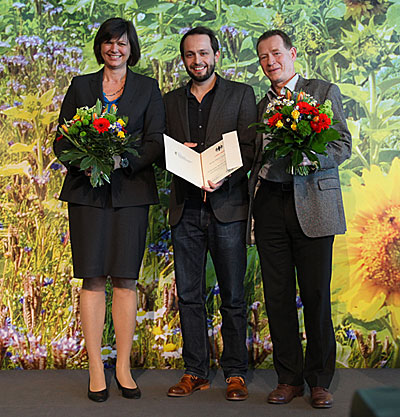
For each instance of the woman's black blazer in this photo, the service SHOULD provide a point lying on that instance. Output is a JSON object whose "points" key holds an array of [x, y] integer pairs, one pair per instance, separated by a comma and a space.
{"points": [[132, 186]]}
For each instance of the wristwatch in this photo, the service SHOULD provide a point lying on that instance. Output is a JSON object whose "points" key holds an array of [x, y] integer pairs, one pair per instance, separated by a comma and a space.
{"points": [[124, 163]]}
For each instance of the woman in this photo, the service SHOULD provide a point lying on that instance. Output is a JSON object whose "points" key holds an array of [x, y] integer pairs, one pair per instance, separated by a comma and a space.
{"points": [[108, 223]]}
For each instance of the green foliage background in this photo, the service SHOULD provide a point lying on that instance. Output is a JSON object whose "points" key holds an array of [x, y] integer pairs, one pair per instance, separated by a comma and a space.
{"points": [[43, 44]]}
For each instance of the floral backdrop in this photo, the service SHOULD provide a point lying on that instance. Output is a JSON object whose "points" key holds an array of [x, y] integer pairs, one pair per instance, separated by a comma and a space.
{"points": [[43, 44]]}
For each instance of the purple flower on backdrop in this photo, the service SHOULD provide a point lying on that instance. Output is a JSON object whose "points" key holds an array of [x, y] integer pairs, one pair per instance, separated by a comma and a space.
{"points": [[299, 304], [39, 55], [42, 179], [28, 41], [16, 86], [18, 5], [4, 44], [230, 72], [22, 124], [94, 26], [66, 345], [27, 249], [230, 30], [10, 143], [165, 234], [63, 237], [17, 60], [1, 226], [55, 166], [350, 333], [54, 29], [160, 249], [215, 290], [47, 281], [185, 30], [165, 191]]}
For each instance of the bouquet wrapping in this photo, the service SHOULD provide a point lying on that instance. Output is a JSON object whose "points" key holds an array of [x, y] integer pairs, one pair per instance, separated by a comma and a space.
{"points": [[299, 127], [97, 136]]}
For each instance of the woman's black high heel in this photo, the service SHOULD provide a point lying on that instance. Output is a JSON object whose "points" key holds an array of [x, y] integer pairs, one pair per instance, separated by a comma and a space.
{"points": [[131, 393], [98, 396]]}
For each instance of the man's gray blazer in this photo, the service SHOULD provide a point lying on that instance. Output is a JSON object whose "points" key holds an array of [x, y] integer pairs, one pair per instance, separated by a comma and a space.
{"points": [[233, 108], [318, 197]]}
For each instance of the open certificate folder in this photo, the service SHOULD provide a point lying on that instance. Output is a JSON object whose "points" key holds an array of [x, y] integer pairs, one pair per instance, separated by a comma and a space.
{"points": [[214, 164]]}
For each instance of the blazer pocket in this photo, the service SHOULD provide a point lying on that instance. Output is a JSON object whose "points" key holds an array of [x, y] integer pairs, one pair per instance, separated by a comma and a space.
{"points": [[328, 183]]}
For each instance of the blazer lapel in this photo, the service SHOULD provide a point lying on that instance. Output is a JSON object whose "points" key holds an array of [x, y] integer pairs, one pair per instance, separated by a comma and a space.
{"points": [[129, 93], [182, 112], [96, 87], [301, 84], [217, 105]]}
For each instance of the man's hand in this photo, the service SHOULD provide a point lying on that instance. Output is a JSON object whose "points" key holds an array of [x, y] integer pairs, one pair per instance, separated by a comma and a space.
{"points": [[212, 186], [190, 144]]}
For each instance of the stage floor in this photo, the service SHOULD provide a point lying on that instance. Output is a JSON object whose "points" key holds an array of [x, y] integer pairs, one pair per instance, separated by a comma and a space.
{"points": [[59, 393]]}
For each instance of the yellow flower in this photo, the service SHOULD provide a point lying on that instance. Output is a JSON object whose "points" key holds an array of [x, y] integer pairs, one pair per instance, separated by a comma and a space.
{"points": [[121, 134], [121, 122], [295, 114], [279, 124], [367, 258], [77, 117], [169, 347], [65, 128], [294, 126], [157, 331]]}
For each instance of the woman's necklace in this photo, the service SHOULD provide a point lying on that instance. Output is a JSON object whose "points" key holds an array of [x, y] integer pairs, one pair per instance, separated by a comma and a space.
{"points": [[114, 94]]}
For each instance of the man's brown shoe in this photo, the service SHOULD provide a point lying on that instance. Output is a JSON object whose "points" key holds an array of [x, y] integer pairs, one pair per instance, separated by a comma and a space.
{"points": [[285, 393], [236, 390], [321, 398], [187, 385]]}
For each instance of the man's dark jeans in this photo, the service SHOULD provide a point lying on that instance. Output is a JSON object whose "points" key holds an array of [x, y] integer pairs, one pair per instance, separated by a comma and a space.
{"points": [[197, 232]]}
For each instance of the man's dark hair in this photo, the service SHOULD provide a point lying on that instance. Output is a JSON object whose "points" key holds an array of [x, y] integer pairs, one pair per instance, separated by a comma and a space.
{"points": [[114, 28], [287, 42], [201, 30]]}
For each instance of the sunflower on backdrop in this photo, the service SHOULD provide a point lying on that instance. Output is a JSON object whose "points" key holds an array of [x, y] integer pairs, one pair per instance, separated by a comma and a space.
{"points": [[367, 258]]}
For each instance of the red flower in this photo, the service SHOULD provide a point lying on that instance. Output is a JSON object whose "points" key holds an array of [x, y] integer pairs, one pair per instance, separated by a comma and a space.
{"points": [[272, 120], [306, 108], [101, 124], [320, 122], [59, 138]]}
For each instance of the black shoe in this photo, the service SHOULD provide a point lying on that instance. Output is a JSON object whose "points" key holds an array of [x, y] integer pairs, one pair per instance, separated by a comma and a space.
{"points": [[131, 393], [98, 396]]}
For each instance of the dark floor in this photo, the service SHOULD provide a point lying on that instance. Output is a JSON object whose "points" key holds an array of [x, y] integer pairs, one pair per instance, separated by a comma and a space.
{"points": [[59, 393]]}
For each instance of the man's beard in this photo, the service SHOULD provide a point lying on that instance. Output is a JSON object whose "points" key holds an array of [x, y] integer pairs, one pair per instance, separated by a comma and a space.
{"points": [[206, 76]]}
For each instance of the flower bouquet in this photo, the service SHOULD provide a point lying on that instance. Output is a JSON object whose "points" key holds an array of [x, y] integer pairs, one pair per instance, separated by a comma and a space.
{"points": [[97, 136], [298, 126]]}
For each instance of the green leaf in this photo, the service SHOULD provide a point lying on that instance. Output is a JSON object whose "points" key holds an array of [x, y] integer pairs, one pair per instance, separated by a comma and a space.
{"points": [[86, 163], [19, 113], [20, 147], [22, 168], [47, 98], [387, 84], [282, 151], [354, 92]]}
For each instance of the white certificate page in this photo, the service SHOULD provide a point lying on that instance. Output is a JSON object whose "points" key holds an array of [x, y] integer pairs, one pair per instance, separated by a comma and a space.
{"points": [[214, 164], [183, 161]]}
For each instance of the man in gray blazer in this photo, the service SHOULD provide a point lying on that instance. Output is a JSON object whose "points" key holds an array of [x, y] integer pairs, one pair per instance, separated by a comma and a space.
{"points": [[295, 220], [210, 219]]}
